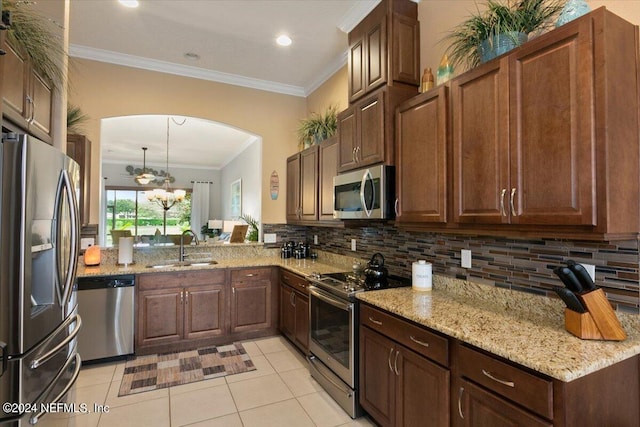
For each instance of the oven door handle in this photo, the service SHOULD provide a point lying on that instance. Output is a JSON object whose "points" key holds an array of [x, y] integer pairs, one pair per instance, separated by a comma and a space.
{"points": [[323, 296]]}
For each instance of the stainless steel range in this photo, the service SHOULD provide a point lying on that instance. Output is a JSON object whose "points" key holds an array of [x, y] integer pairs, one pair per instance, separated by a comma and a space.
{"points": [[333, 342]]}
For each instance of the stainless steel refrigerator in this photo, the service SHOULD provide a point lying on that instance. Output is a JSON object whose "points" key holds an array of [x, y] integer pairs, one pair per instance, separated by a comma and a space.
{"points": [[39, 322]]}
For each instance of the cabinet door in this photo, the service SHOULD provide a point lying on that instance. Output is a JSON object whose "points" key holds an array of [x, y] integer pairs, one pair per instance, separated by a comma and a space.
{"points": [[356, 67], [421, 160], [160, 316], [41, 110], [287, 311], [293, 188], [405, 66], [480, 101], [552, 134], [377, 379], [250, 306], [79, 149], [422, 391], [15, 79], [328, 168], [375, 57], [301, 335], [370, 139], [479, 408], [205, 312], [347, 134], [309, 184]]}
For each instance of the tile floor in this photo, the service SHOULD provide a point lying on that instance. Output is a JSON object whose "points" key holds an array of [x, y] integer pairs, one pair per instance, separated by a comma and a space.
{"points": [[280, 392]]}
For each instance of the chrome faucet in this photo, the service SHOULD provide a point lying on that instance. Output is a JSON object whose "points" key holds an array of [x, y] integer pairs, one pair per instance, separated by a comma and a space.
{"points": [[182, 254]]}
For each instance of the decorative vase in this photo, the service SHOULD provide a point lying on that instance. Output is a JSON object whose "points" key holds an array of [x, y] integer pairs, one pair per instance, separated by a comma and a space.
{"points": [[572, 9], [500, 44]]}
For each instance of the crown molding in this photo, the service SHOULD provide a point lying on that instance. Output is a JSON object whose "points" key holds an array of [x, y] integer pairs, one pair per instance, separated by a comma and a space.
{"points": [[356, 14], [327, 73], [101, 55]]}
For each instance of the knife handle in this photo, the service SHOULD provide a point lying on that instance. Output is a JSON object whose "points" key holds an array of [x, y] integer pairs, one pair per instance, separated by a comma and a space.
{"points": [[568, 278], [583, 275]]}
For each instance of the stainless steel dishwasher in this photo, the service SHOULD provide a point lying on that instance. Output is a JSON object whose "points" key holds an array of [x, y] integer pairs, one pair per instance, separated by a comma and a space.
{"points": [[106, 305]]}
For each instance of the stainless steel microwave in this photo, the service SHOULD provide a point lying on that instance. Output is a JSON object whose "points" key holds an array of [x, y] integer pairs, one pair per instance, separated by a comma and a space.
{"points": [[365, 193]]}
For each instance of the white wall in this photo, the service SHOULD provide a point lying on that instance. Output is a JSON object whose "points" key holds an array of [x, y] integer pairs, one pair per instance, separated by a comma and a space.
{"points": [[243, 167]]}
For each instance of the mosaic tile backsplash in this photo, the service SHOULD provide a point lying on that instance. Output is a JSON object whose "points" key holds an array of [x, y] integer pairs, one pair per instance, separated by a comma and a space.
{"points": [[516, 264]]}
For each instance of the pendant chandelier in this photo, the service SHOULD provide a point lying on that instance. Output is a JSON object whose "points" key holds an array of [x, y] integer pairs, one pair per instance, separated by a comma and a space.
{"points": [[145, 177], [165, 196]]}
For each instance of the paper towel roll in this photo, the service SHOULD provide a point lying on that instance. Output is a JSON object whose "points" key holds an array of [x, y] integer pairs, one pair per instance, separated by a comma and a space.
{"points": [[421, 279], [125, 250]]}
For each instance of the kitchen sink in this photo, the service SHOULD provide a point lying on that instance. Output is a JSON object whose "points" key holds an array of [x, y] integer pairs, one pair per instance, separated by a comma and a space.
{"points": [[194, 263]]}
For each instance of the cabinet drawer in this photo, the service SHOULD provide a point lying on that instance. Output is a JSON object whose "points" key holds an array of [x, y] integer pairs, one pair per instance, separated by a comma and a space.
{"points": [[516, 384], [250, 274], [297, 282], [415, 337], [180, 278]]}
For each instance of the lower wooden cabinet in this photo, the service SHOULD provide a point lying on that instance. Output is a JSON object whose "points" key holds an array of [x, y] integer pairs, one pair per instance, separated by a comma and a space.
{"points": [[174, 307], [294, 309], [399, 387], [251, 299], [480, 408]]}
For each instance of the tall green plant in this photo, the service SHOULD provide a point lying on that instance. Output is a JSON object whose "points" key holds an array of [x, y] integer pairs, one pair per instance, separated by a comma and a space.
{"points": [[75, 119], [498, 17], [39, 37], [252, 236], [318, 127]]}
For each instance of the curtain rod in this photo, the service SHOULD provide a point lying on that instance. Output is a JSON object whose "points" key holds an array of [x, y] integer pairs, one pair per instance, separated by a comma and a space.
{"points": [[202, 182]]}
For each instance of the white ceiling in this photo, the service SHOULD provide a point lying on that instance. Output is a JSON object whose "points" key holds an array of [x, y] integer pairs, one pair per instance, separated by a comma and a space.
{"points": [[235, 40]]}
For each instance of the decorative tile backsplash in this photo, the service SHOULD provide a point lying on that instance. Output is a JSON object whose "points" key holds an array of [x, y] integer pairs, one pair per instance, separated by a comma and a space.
{"points": [[518, 264]]}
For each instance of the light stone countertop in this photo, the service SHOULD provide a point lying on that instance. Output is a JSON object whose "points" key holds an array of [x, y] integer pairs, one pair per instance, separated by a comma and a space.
{"points": [[526, 329]]}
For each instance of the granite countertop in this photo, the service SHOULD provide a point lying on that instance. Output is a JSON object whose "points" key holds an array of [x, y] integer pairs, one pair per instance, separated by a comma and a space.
{"points": [[526, 329]]}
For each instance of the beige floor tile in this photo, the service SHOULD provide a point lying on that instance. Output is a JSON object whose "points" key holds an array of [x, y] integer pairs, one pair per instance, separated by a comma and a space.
{"points": [[323, 410], [273, 344], [88, 420], [263, 367], [198, 385], [150, 413], [114, 401], [200, 405], [359, 422], [252, 348], [232, 420], [96, 374], [259, 391], [300, 382], [284, 361], [69, 420], [282, 414], [91, 394]]}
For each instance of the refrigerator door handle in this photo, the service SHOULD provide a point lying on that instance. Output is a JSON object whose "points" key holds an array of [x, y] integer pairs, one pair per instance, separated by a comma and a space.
{"points": [[75, 231], [34, 419], [3, 352], [35, 363]]}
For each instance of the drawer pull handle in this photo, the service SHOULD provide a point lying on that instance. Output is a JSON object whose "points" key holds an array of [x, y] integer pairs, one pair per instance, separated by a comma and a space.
{"points": [[513, 209], [502, 194], [395, 364], [417, 341], [503, 382], [460, 402], [377, 322], [250, 274], [389, 359]]}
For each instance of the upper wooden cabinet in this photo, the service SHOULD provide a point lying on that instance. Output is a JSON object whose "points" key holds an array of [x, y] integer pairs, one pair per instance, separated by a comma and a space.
{"points": [[27, 96], [310, 183], [79, 149], [421, 157], [2, 61], [544, 138], [384, 48]]}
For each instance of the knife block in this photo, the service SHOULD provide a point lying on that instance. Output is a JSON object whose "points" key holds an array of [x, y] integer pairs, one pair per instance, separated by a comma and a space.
{"points": [[599, 322]]}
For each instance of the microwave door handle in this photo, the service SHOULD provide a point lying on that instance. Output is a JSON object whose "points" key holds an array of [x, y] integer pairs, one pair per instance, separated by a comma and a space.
{"points": [[365, 177], [73, 252]]}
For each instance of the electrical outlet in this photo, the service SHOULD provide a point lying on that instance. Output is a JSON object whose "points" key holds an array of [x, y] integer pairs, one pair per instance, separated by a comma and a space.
{"points": [[315, 239], [591, 269], [85, 242], [269, 237], [353, 245], [465, 258]]}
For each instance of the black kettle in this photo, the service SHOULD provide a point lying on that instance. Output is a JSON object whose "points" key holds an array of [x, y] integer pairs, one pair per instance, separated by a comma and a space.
{"points": [[375, 275]]}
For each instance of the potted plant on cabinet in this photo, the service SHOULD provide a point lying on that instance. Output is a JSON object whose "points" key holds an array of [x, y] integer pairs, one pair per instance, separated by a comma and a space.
{"points": [[318, 127], [501, 26]]}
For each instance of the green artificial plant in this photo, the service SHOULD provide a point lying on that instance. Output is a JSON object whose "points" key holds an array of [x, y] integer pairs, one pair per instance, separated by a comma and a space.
{"points": [[252, 235], [318, 127]]}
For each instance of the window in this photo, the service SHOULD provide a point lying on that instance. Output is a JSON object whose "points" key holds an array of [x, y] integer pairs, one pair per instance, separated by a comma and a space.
{"points": [[129, 209]]}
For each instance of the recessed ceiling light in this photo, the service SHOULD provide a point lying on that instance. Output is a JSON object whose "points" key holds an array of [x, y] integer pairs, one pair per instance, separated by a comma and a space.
{"points": [[283, 40], [129, 3], [192, 56]]}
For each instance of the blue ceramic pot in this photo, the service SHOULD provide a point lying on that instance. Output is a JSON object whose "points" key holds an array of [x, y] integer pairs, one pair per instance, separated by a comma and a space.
{"points": [[499, 44]]}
